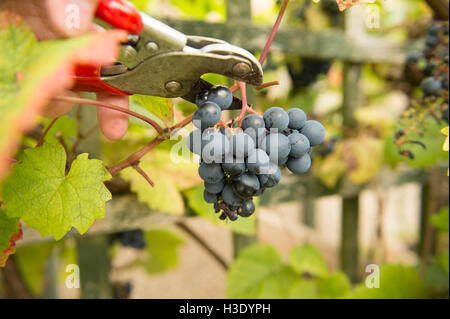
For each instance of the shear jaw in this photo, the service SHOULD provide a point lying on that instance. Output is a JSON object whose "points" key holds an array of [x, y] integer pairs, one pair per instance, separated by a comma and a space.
{"points": [[171, 64]]}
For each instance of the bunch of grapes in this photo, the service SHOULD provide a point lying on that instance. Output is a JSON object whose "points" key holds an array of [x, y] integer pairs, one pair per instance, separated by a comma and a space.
{"points": [[430, 66], [433, 64], [239, 164]]}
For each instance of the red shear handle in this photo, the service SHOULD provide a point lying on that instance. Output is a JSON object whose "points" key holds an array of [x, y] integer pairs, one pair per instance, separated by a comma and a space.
{"points": [[120, 14], [88, 79]]}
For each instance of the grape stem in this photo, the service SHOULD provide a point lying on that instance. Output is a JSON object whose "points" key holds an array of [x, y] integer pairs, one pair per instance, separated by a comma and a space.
{"points": [[241, 85]]}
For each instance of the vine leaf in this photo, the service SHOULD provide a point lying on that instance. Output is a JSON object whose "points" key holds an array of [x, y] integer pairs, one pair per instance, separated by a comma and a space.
{"points": [[345, 4], [445, 147], [253, 270], [162, 250], [40, 193], [307, 259], [162, 108], [10, 232], [169, 180], [396, 282], [32, 72]]}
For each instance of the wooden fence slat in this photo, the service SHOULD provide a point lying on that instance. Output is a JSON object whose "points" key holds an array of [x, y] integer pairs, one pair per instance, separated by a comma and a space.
{"points": [[329, 44]]}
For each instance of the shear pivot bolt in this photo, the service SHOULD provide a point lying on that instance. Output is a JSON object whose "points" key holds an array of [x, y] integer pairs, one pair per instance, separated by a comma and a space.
{"points": [[174, 86], [152, 46], [241, 69]]}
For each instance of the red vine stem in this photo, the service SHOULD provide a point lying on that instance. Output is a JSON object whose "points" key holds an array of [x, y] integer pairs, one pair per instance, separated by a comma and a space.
{"points": [[109, 106], [41, 139], [274, 31], [245, 107], [134, 159], [241, 85]]}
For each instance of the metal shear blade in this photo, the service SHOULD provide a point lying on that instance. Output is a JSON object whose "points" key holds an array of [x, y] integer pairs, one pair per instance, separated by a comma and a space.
{"points": [[153, 65]]}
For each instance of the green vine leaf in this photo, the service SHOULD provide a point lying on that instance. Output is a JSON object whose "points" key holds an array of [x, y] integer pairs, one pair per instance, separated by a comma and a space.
{"points": [[45, 198], [256, 267], [10, 232], [170, 179], [162, 108], [307, 259], [162, 250]]}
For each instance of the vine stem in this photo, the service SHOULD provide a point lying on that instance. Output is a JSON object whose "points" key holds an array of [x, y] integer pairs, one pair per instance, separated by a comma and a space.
{"points": [[245, 106], [133, 159], [241, 85], [77, 100], [41, 139], [274, 31]]}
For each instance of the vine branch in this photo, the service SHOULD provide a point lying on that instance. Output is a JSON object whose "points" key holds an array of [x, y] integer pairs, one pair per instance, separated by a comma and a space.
{"points": [[77, 100], [44, 134]]}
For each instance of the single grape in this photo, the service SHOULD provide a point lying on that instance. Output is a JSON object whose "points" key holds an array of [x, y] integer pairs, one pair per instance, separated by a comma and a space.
{"points": [[297, 118], [282, 161], [253, 121], [299, 145], [207, 115], [194, 142], [247, 209], [210, 197], [258, 162], [215, 147], [430, 86], [211, 173], [215, 188], [235, 168], [254, 126], [299, 165], [314, 131], [230, 197], [261, 191], [276, 118], [242, 145], [219, 94], [272, 178], [246, 185], [277, 146]]}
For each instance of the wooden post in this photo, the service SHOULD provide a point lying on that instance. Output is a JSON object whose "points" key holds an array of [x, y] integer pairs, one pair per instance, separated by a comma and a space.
{"points": [[351, 97], [94, 265], [92, 251]]}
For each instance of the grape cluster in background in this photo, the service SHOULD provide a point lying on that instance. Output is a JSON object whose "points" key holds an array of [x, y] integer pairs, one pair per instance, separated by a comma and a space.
{"points": [[433, 64], [131, 238], [238, 164]]}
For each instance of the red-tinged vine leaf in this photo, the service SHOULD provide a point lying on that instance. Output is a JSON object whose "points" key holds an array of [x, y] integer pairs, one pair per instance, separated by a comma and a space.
{"points": [[10, 232], [40, 193], [32, 72], [345, 4]]}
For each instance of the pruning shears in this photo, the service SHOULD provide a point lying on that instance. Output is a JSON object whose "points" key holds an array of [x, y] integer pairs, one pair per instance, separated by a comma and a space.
{"points": [[161, 61]]}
